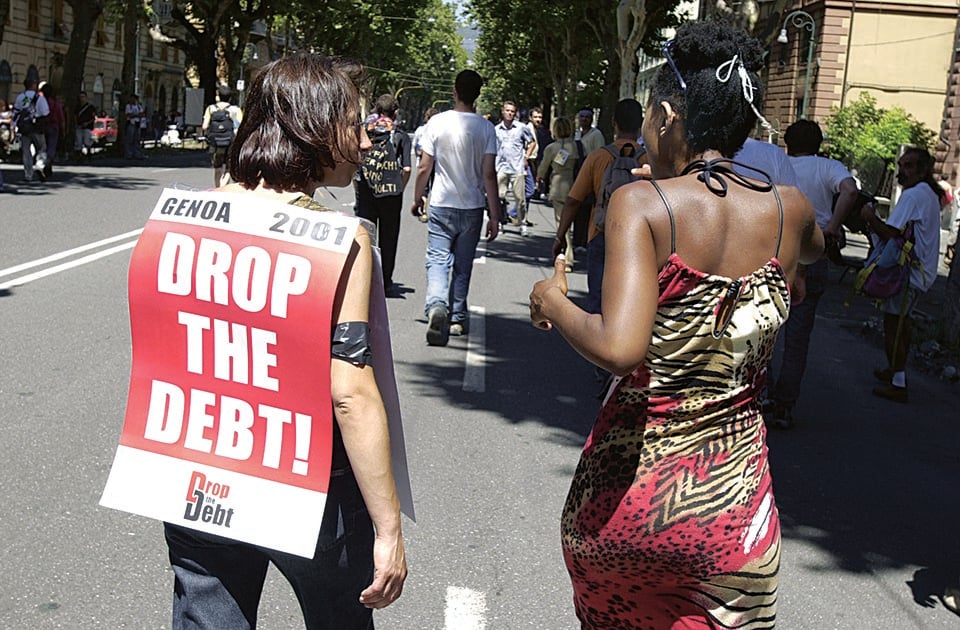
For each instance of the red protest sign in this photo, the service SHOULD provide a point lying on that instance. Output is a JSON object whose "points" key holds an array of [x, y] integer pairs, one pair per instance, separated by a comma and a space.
{"points": [[229, 419]]}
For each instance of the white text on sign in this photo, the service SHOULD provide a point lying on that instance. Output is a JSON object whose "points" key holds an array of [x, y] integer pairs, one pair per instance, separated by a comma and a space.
{"points": [[211, 273], [174, 413]]}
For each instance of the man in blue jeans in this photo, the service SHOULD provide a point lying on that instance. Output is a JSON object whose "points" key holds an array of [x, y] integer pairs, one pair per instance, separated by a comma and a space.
{"points": [[461, 147], [818, 178]]}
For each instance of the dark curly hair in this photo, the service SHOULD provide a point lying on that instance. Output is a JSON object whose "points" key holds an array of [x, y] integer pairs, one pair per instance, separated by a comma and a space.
{"points": [[715, 114], [297, 119]]}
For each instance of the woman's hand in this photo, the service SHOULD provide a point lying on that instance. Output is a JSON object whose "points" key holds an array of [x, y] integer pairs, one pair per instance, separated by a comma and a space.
{"points": [[389, 572], [540, 289]]}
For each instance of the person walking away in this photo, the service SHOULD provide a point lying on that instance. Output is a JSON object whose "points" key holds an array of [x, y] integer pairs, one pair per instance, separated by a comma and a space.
{"points": [[463, 146], [671, 521], [55, 124], [131, 141], [30, 112], [359, 565], [380, 182], [515, 145], [818, 178], [919, 204], [220, 121], [418, 150], [85, 114], [558, 164], [627, 120]]}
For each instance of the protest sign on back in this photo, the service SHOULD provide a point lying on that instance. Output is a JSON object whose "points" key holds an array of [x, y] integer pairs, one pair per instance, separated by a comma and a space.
{"points": [[228, 427]]}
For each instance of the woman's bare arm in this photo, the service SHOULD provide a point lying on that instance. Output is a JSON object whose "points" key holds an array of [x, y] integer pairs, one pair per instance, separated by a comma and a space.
{"points": [[362, 419], [617, 339]]}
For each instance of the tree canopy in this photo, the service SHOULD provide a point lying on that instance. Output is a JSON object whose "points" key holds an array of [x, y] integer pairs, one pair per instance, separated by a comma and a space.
{"points": [[868, 138], [566, 55]]}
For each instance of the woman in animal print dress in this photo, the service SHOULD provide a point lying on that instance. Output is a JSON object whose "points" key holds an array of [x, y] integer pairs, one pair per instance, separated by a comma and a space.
{"points": [[670, 521]]}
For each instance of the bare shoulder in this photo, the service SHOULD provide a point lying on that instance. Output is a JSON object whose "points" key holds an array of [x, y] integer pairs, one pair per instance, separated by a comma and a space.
{"points": [[637, 202], [796, 206]]}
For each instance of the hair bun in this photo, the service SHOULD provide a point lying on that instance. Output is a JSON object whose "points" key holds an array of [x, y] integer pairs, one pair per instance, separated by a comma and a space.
{"points": [[700, 45]]}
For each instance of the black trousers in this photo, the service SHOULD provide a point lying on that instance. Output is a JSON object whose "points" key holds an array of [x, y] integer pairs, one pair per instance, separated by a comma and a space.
{"points": [[384, 212]]}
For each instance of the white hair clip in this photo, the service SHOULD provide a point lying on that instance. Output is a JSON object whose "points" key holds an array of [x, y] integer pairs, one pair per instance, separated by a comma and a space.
{"points": [[725, 71]]}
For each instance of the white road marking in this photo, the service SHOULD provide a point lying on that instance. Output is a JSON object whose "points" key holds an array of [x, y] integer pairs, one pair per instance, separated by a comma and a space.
{"points": [[67, 253], [481, 258], [465, 609], [30, 277], [475, 372], [162, 170]]}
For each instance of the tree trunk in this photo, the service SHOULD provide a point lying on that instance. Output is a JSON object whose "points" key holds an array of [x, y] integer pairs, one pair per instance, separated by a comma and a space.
{"points": [[611, 95], [85, 14], [631, 27]]}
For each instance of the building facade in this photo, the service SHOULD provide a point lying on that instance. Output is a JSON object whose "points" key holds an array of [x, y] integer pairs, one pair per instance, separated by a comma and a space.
{"points": [[35, 41], [899, 51]]}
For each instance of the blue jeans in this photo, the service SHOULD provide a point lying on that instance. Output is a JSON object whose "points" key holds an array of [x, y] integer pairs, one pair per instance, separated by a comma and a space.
{"points": [[595, 263], [452, 237], [35, 158], [218, 581], [796, 336]]}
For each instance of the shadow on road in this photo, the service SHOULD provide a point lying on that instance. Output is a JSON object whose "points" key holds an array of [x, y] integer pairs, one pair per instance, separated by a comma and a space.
{"points": [[866, 480]]}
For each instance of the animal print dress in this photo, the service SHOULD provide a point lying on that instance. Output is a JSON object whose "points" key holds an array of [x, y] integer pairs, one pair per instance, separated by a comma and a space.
{"points": [[670, 521]]}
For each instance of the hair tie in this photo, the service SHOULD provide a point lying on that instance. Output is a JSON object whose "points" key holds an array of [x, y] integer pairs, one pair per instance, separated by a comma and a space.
{"points": [[725, 71]]}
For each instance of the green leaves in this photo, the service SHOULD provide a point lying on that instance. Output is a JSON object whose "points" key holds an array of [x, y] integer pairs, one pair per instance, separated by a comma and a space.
{"points": [[862, 132]]}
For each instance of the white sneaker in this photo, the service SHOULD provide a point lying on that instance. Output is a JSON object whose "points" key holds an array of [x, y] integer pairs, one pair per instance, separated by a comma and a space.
{"points": [[524, 230]]}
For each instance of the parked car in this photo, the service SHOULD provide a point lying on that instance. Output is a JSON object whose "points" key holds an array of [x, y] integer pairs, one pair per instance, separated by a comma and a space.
{"points": [[104, 131]]}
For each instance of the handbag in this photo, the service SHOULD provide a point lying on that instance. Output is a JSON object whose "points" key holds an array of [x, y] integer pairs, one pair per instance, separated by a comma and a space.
{"points": [[886, 271]]}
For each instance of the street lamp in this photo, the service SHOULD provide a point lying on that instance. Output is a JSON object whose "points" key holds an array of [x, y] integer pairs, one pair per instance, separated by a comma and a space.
{"points": [[802, 19]]}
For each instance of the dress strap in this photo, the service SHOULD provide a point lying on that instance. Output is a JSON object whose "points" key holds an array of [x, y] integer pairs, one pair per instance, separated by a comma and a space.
{"points": [[715, 173], [776, 194], [673, 224]]}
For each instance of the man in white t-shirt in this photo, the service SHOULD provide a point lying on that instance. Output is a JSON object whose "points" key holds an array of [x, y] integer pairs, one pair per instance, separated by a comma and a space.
{"points": [[818, 178], [463, 147], [919, 203]]}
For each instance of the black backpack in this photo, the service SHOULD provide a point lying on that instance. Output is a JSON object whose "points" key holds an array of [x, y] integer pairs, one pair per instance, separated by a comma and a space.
{"points": [[381, 168], [220, 131], [26, 117], [617, 173]]}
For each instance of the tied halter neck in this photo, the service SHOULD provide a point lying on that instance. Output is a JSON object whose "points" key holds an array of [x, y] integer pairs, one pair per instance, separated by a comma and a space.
{"points": [[715, 173]]}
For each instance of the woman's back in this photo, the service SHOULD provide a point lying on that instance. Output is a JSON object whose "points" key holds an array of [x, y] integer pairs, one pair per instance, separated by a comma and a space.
{"points": [[731, 235]]}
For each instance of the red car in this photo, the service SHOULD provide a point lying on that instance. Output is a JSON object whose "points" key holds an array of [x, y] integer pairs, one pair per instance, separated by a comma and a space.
{"points": [[104, 131]]}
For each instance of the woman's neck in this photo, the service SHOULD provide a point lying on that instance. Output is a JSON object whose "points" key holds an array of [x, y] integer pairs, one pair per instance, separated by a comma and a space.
{"points": [[270, 193]]}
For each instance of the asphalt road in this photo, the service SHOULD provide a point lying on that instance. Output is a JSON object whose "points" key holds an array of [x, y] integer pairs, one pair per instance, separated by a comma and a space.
{"points": [[494, 424]]}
